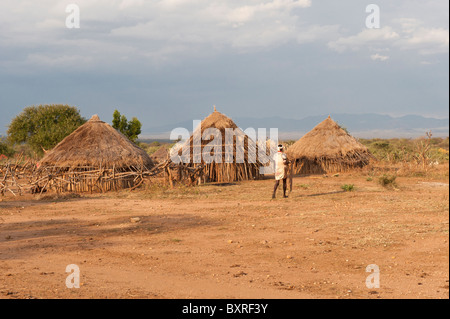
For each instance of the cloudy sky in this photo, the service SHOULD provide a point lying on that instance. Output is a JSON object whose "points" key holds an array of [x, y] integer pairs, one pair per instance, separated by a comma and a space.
{"points": [[168, 60]]}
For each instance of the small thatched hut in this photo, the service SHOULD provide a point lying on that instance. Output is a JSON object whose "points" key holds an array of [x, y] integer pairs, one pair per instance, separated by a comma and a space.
{"points": [[95, 157], [328, 149], [161, 155], [241, 163]]}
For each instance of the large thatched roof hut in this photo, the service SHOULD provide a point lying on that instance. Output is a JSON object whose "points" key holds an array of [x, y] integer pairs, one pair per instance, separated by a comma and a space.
{"points": [[326, 149], [95, 157], [241, 163]]}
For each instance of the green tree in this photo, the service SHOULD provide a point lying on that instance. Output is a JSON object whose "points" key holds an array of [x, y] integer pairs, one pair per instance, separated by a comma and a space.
{"points": [[130, 129], [119, 122], [44, 126], [5, 148]]}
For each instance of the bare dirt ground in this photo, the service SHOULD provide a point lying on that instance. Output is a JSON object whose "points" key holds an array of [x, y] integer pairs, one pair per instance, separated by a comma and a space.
{"points": [[231, 241]]}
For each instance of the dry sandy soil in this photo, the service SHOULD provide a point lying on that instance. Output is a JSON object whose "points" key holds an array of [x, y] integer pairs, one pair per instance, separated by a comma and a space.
{"points": [[231, 241]]}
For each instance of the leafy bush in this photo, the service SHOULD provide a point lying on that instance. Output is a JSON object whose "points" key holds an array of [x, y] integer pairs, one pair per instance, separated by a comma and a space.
{"points": [[406, 150], [152, 149], [439, 155], [388, 181], [26, 150], [44, 126], [348, 187], [5, 148]]}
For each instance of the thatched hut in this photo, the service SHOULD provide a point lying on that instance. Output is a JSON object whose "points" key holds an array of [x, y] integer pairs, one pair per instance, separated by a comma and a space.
{"points": [[95, 157], [161, 155], [238, 157], [328, 149]]}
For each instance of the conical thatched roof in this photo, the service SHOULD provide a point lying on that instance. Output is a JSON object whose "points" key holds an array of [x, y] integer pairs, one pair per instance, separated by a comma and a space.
{"points": [[222, 157], [329, 141], [97, 144], [216, 120]]}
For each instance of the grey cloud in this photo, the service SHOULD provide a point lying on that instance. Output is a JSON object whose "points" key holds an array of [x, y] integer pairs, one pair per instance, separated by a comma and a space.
{"points": [[166, 61]]}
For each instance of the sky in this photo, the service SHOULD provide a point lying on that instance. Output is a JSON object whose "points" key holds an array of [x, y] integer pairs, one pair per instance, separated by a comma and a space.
{"points": [[166, 61]]}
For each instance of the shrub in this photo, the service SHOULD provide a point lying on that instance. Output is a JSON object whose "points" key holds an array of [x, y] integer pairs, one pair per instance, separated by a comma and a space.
{"points": [[388, 181], [152, 149], [42, 127], [348, 187], [5, 149], [416, 151]]}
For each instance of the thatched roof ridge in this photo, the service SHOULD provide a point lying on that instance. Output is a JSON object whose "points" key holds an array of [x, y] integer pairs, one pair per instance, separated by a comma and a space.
{"points": [[96, 144], [328, 140]]}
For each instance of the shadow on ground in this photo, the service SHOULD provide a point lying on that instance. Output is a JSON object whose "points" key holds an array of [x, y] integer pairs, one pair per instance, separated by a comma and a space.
{"points": [[25, 238]]}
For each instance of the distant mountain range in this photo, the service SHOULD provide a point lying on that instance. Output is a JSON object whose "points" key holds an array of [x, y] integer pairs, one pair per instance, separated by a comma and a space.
{"points": [[360, 125]]}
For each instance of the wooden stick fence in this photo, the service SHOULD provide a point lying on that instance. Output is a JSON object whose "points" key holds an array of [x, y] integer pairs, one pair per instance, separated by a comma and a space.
{"points": [[28, 178], [15, 177]]}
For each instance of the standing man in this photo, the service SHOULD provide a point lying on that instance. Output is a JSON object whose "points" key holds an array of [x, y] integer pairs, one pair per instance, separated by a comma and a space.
{"points": [[281, 170]]}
